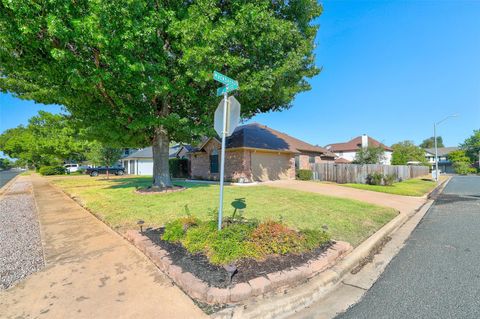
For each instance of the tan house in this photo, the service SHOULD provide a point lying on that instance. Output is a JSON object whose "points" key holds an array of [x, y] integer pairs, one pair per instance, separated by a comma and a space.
{"points": [[255, 152]]}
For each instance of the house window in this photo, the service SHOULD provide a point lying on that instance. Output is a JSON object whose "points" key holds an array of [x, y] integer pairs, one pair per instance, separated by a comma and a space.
{"points": [[297, 161], [214, 161], [311, 159]]}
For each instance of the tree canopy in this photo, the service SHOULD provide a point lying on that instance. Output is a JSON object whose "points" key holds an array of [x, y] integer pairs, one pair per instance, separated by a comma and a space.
{"points": [[139, 73], [48, 139], [407, 151], [471, 146], [430, 142]]}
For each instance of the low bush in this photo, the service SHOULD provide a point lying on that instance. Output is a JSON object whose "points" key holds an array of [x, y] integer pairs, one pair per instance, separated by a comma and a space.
{"points": [[178, 167], [244, 239], [374, 178], [175, 230], [388, 179], [304, 174], [463, 168], [52, 170]]}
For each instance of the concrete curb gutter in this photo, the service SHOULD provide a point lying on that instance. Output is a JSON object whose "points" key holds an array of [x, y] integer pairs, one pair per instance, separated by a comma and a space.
{"points": [[318, 288], [5, 187]]}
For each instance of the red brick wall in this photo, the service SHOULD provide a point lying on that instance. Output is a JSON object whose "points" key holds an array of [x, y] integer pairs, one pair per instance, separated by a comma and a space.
{"points": [[238, 164]]}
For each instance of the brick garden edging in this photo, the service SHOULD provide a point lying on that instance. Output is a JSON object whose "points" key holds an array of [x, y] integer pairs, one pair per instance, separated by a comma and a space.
{"points": [[201, 291]]}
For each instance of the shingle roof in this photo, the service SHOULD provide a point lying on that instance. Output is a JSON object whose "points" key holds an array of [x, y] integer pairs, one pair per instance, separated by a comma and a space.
{"points": [[342, 160], [147, 152], [442, 151], [355, 144], [259, 136]]}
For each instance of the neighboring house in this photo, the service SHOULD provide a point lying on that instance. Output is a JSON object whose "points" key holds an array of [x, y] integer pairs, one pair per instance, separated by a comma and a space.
{"points": [[349, 149], [444, 165], [341, 160], [141, 161], [255, 152]]}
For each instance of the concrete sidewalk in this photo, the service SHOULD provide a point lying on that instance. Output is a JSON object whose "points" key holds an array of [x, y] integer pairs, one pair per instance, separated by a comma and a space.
{"points": [[91, 272], [404, 204]]}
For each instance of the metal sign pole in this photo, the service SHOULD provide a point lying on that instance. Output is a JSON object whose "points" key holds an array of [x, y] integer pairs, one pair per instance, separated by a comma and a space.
{"points": [[222, 160]]}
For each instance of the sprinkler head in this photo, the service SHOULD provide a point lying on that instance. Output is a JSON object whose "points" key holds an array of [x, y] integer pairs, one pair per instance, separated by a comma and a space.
{"points": [[231, 270], [140, 224]]}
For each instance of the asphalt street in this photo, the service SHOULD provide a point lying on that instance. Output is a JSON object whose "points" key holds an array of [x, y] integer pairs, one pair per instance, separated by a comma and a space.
{"points": [[5, 176], [437, 273]]}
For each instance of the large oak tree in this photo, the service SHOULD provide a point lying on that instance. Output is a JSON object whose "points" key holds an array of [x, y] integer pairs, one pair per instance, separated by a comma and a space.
{"points": [[139, 72]]}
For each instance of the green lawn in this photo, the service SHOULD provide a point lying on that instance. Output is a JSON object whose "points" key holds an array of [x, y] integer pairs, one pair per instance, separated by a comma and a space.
{"points": [[411, 187], [115, 202]]}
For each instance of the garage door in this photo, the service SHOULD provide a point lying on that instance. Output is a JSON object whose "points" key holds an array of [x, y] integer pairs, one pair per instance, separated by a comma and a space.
{"points": [[270, 166]]}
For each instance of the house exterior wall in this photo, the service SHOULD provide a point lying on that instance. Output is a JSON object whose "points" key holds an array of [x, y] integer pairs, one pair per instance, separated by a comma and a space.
{"points": [[145, 167], [249, 165], [304, 160], [267, 166]]}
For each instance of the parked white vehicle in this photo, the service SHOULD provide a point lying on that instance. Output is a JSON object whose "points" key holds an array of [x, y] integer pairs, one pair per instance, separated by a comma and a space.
{"points": [[70, 168]]}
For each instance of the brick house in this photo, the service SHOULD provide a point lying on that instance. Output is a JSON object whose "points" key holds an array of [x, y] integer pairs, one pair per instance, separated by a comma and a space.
{"points": [[255, 152]]}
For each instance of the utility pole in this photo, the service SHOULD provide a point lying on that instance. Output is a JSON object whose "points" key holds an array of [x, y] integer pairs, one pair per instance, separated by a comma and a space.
{"points": [[435, 141]]}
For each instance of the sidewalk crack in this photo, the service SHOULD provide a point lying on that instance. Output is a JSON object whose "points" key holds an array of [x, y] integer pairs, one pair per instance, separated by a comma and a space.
{"points": [[354, 286]]}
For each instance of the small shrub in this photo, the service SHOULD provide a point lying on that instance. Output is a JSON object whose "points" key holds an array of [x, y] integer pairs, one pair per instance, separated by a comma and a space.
{"points": [[304, 174], [52, 170], [241, 239], [388, 179], [178, 167], [175, 230], [314, 238], [374, 178], [230, 244], [462, 168], [273, 237]]}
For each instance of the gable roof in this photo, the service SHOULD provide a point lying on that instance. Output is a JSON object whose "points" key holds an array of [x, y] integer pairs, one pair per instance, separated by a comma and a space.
{"points": [[259, 136], [147, 152], [355, 144], [442, 151]]}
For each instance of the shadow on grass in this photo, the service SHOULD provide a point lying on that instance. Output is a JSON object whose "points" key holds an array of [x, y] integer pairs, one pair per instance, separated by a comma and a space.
{"points": [[142, 182]]}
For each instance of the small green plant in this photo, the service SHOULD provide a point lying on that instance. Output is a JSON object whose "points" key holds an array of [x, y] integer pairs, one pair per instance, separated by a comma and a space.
{"points": [[52, 170], [175, 230], [463, 168], [241, 239], [304, 174], [374, 178], [389, 179]]}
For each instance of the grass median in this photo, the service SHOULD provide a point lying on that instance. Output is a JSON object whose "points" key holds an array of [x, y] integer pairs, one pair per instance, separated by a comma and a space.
{"points": [[411, 187], [115, 202]]}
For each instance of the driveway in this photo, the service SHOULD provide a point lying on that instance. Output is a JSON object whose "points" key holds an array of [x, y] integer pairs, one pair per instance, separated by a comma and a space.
{"points": [[404, 204], [436, 274], [90, 271]]}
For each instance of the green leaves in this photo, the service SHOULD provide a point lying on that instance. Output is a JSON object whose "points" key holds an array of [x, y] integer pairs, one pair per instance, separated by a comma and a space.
{"points": [[407, 151], [48, 139]]}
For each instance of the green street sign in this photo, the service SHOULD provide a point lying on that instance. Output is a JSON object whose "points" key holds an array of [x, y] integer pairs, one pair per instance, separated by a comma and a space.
{"points": [[231, 83], [225, 89]]}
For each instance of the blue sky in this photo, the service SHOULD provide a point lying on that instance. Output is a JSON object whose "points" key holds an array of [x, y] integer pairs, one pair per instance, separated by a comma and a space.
{"points": [[390, 69]]}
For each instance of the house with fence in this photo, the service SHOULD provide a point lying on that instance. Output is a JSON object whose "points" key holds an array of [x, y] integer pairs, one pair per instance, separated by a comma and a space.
{"points": [[348, 150], [255, 152]]}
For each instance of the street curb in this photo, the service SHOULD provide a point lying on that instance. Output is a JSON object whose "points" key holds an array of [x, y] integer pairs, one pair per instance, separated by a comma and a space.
{"points": [[302, 296], [5, 187], [439, 189]]}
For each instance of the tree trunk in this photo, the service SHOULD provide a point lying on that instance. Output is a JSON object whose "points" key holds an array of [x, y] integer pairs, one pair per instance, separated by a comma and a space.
{"points": [[160, 147]]}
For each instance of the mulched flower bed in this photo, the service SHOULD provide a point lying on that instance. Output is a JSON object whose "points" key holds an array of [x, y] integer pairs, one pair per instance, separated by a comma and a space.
{"points": [[217, 276]]}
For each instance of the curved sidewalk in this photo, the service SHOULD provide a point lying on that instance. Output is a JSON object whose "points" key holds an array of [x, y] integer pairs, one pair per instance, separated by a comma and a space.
{"points": [[91, 271], [404, 204]]}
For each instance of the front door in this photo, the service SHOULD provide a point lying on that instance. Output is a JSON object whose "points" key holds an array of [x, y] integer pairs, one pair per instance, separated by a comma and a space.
{"points": [[132, 167]]}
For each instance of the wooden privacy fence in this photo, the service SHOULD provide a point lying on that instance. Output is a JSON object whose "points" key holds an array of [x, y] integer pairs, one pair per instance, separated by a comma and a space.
{"points": [[357, 173]]}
